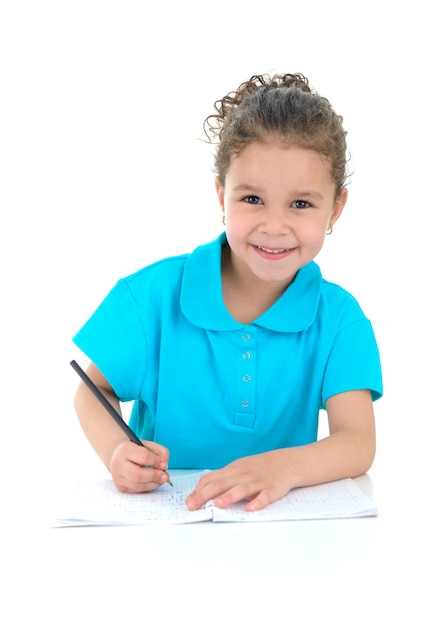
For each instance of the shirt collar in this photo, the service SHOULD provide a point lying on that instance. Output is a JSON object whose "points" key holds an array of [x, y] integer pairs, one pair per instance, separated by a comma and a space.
{"points": [[202, 302]]}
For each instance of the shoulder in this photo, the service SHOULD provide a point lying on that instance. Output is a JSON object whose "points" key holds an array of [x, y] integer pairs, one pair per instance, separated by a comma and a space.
{"points": [[150, 284], [164, 280], [171, 268], [339, 310], [338, 301], [165, 268]]}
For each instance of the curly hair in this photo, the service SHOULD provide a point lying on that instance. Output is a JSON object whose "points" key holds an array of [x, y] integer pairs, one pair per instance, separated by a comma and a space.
{"points": [[282, 106]]}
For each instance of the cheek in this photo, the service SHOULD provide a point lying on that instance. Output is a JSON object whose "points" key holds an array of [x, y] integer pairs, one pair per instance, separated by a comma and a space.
{"points": [[234, 238], [237, 223], [311, 233]]}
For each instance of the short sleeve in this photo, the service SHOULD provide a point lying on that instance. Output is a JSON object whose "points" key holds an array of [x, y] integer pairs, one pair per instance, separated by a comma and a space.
{"points": [[114, 339], [354, 362]]}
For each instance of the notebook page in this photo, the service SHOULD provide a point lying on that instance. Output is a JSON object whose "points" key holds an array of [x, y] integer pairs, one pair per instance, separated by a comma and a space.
{"points": [[98, 502], [338, 499]]}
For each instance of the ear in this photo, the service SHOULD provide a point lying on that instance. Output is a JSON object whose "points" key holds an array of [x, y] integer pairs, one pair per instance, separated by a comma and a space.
{"points": [[338, 206], [220, 193]]}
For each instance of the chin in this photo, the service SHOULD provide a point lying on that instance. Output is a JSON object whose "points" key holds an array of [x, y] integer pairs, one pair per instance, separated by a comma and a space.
{"points": [[282, 279]]}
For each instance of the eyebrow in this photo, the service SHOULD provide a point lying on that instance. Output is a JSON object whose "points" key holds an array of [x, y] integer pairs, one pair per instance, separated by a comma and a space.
{"points": [[297, 194]]}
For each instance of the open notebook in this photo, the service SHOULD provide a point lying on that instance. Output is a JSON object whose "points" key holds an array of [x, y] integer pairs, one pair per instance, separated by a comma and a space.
{"points": [[99, 503]]}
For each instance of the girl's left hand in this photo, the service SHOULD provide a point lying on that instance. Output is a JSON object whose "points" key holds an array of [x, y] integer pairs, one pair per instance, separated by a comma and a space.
{"points": [[260, 479]]}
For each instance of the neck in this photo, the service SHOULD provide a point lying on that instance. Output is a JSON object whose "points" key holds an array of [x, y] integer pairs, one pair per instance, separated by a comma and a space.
{"points": [[245, 296]]}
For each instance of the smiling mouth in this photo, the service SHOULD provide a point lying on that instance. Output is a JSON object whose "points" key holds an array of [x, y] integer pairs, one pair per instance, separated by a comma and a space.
{"points": [[274, 250]]}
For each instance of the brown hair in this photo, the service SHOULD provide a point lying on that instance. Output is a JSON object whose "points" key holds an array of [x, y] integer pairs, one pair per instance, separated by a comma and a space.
{"points": [[282, 106]]}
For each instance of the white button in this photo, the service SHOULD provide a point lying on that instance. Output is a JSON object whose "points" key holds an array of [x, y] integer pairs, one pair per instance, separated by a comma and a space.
{"points": [[246, 378], [244, 403], [246, 337], [246, 356]]}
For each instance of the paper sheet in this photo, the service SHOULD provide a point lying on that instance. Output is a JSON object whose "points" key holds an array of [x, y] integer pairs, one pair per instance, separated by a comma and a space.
{"points": [[338, 499], [100, 503]]}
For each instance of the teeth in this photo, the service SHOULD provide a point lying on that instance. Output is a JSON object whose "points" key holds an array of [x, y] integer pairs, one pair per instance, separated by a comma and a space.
{"points": [[273, 251]]}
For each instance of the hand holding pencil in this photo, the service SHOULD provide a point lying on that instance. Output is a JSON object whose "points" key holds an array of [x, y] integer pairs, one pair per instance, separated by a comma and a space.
{"points": [[115, 415]]}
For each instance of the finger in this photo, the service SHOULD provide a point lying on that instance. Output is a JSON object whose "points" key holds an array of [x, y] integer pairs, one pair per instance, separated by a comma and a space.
{"points": [[236, 494], [132, 468], [158, 449], [206, 489], [216, 486], [262, 500], [147, 455], [135, 479]]}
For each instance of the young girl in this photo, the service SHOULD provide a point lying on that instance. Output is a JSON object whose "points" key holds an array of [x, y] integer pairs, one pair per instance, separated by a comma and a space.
{"points": [[231, 352]]}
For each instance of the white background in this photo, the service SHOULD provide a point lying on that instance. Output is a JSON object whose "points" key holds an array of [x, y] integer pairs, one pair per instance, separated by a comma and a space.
{"points": [[103, 171]]}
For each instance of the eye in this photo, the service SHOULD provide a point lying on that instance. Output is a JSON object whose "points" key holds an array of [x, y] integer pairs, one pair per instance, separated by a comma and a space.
{"points": [[252, 200], [301, 204]]}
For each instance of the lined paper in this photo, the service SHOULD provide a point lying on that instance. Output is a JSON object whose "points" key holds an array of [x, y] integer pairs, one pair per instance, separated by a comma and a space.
{"points": [[338, 499], [100, 503]]}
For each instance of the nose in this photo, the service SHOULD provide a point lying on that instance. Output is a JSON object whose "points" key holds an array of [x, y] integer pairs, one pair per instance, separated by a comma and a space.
{"points": [[274, 222]]}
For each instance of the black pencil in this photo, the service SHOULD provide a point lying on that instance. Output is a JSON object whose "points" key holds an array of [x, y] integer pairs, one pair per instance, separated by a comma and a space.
{"points": [[109, 408]]}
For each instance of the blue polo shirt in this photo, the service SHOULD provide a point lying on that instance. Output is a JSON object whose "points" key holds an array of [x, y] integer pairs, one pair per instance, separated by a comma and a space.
{"points": [[212, 389]]}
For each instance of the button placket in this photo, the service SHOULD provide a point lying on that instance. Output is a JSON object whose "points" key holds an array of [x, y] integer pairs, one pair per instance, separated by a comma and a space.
{"points": [[246, 381]]}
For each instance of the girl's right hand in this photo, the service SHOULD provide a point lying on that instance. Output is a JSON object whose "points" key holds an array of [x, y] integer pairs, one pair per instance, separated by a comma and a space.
{"points": [[136, 469]]}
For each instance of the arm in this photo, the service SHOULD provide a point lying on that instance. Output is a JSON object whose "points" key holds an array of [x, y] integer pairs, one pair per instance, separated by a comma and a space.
{"points": [[263, 478], [133, 468]]}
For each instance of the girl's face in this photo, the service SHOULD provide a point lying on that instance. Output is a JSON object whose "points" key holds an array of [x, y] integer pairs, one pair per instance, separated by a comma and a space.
{"points": [[278, 203]]}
